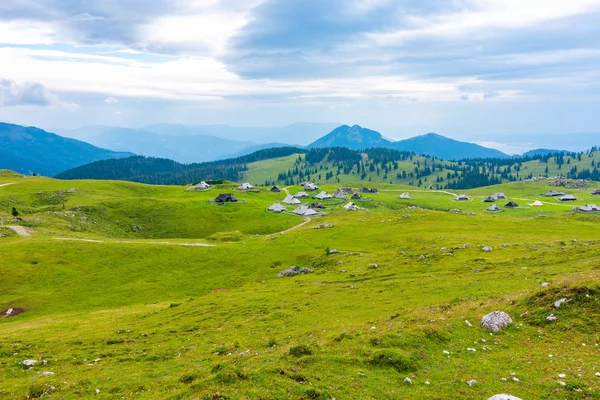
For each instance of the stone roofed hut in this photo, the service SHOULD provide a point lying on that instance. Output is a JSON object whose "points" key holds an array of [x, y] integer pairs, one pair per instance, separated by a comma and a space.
{"points": [[567, 197], [277, 208], [275, 189], [463, 197], [225, 198], [245, 186], [289, 199], [511, 204]]}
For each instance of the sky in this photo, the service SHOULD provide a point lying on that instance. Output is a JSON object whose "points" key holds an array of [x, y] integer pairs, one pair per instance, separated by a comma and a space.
{"points": [[469, 69]]}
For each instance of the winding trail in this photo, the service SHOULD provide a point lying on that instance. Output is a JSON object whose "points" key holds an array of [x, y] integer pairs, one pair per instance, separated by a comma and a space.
{"points": [[300, 225], [134, 242], [20, 230], [6, 184]]}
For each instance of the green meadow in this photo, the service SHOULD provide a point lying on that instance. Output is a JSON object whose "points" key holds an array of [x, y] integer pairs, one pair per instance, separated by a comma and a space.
{"points": [[133, 291]]}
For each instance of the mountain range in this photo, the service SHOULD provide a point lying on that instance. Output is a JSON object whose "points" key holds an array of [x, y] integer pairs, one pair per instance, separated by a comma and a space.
{"points": [[191, 144], [31, 150], [358, 138]]}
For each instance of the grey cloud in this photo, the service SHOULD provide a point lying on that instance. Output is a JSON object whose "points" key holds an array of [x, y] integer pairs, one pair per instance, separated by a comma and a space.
{"points": [[25, 94]]}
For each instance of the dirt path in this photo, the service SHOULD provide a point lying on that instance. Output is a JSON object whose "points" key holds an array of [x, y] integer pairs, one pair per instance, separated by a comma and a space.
{"points": [[6, 184], [300, 225], [422, 190], [21, 231], [135, 242]]}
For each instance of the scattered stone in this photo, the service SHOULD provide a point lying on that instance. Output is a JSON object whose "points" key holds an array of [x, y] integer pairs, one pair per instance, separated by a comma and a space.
{"points": [[515, 379], [559, 302], [504, 245], [374, 266], [340, 262], [408, 380], [29, 363], [562, 383], [545, 284], [293, 271], [135, 228], [333, 251], [562, 376], [504, 397], [472, 382], [487, 249], [598, 374], [48, 373], [446, 352], [324, 226], [471, 349], [97, 391], [551, 317], [496, 321], [466, 245], [468, 323]]}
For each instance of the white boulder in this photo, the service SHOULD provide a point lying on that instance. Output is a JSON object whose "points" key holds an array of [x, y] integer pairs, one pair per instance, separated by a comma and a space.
{"points": [[29, 363], [495, 321], [504, 397]]}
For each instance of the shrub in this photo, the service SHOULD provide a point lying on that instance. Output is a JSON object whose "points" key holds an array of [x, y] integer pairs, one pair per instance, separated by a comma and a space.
{"points": [[300, 350], [390, 358]]}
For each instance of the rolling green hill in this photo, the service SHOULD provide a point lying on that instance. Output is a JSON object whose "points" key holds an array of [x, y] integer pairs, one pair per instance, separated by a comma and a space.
{"points": [[288, 166], [153, 292]]}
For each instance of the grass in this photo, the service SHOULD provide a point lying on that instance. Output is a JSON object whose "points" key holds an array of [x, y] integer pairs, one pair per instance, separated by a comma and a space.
{"points": [[134, 318]]}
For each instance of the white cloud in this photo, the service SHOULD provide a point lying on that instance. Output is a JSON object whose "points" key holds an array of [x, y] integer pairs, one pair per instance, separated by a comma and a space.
{"points": [[15, 94], [485, 17], [111, 100]]}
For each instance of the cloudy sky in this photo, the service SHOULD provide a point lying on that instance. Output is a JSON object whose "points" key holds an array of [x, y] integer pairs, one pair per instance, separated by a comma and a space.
{"points": [[464, 68]]}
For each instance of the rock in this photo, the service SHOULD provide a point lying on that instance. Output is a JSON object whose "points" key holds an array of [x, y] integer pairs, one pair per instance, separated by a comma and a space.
{"points": [[340, 262], [427, 383], [495, 321], [598, 374], [559, 302], [293, 271], [504, 397], [334, 251], [545, 284], [374, 266], [562, 376], [48, 373], [471, 349], [562, 383], [472, 382], [551, 317], [468, 323], [446, 352], [408, 380], [29, 363], [515, 379], [487, 249]]}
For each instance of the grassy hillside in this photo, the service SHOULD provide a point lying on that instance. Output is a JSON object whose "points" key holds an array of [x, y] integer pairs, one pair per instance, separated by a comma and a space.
{"points": [[154, 315], [420, 171]]}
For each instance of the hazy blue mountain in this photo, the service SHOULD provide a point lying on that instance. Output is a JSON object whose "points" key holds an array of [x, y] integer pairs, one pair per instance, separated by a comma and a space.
{"points": [[301, 133], [541, 152], [183, 149], [353, 137], [431, 144], [33, 150], [572, 142], [445, 148]]}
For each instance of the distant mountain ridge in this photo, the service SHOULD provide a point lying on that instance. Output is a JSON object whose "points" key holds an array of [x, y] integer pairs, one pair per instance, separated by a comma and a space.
{"points": [[191, 144], [32, 150], [434, 145]]}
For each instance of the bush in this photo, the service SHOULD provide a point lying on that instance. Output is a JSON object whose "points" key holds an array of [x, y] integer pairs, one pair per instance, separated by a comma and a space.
{"points": [[394, 359], [300, 350], [188, 378]]}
